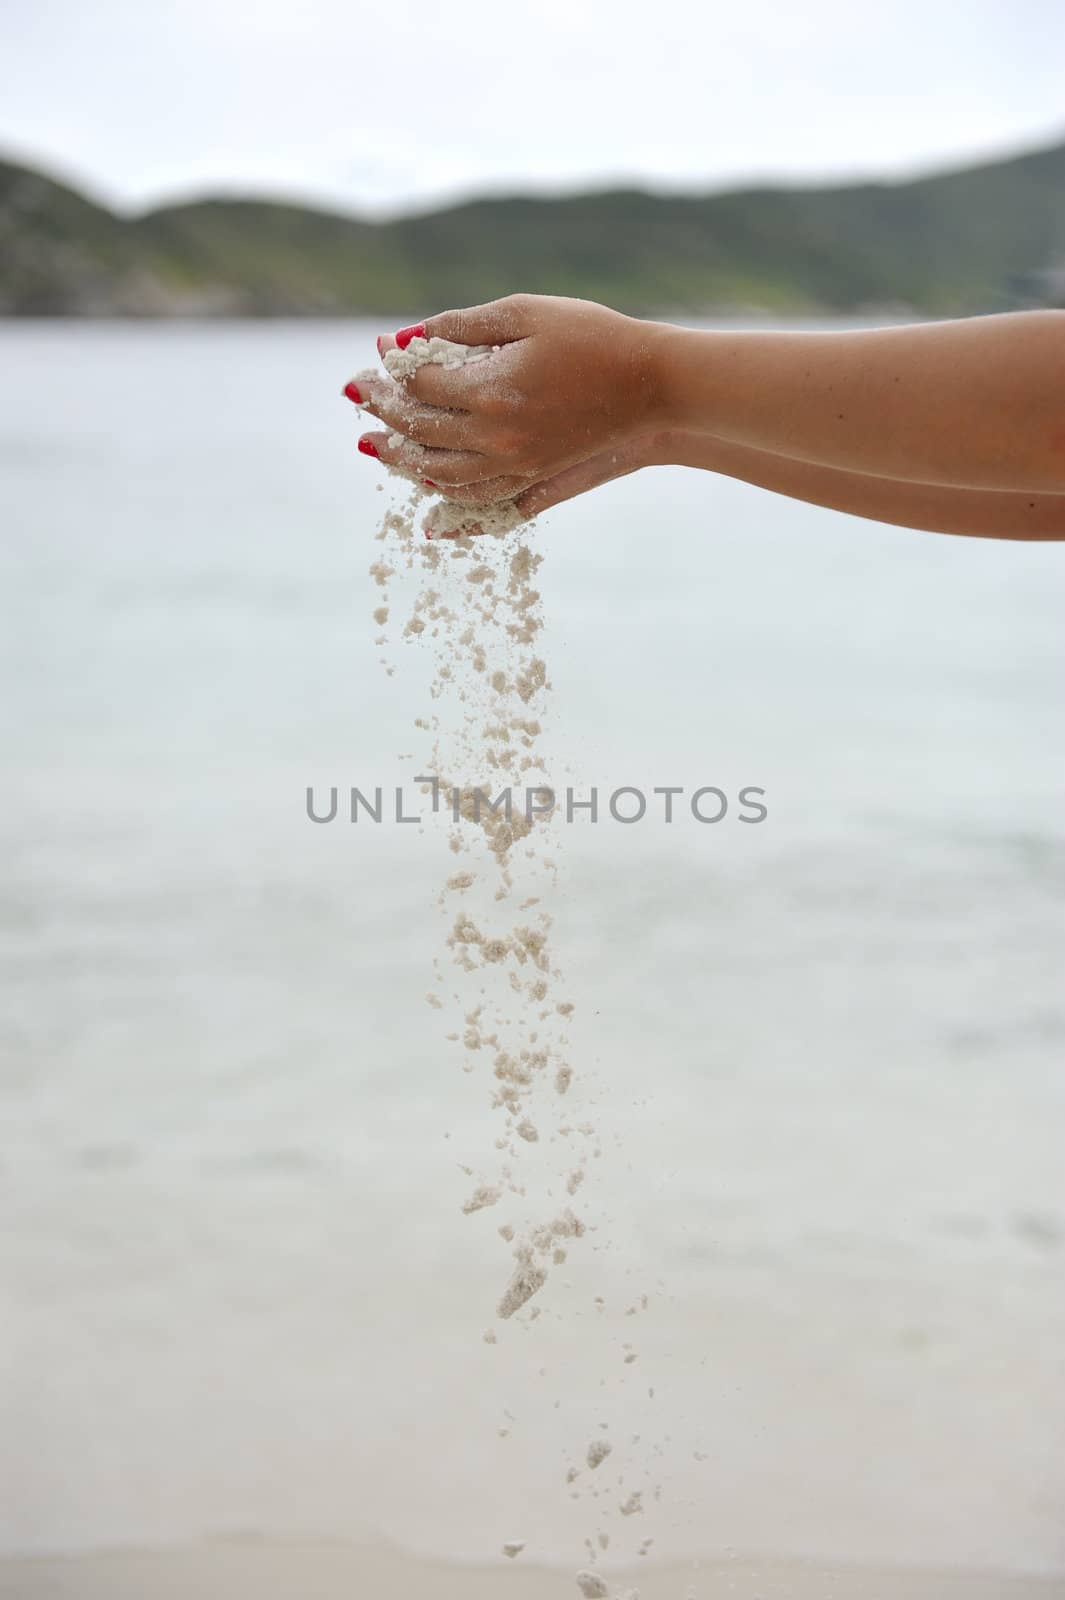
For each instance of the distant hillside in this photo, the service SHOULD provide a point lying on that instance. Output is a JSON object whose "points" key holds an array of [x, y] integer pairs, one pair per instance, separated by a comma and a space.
{"points": [[985, 238]]}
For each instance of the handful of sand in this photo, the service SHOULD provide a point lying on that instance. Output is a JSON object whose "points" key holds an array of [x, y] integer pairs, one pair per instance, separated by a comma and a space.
{"points": [[449, 516]]}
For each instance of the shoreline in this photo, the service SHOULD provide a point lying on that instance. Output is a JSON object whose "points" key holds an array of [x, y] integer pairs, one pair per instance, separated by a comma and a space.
{"points": [[325, 1569]]}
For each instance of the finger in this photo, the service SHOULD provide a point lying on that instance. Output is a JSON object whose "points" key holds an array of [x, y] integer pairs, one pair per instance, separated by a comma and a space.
{"points": [[482, 494], [426, 425], [493, 325], [440, 467], [497, 322], [452, 385], [474, 387], [360, 385]]}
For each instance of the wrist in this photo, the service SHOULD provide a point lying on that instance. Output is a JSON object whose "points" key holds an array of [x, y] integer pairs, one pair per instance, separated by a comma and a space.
{"points": [[682, 366], [650, 360]]}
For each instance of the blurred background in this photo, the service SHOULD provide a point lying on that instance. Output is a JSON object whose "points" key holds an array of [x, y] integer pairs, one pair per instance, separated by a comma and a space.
{"points": [[823, 1055]]}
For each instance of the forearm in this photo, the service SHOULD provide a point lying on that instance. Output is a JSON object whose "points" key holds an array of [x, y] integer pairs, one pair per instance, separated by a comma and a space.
{"points": [[979, 513], [977, 403]]}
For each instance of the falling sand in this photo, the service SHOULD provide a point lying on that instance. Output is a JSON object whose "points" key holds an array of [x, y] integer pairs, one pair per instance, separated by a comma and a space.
{"points": [[477, 608]]}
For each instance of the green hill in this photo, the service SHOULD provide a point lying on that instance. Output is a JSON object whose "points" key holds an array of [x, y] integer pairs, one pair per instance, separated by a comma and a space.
{"points": [[985, 238]]}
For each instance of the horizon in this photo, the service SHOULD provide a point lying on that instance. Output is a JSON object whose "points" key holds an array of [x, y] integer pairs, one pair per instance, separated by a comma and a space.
{"points": [[72, 178], [411, 111]]}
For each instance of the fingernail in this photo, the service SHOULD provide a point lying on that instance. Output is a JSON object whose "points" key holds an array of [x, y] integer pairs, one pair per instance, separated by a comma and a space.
{"points": [[368, 448], [380, 344], [353, 393], [429, 483], [428, 535], [405, 335]]}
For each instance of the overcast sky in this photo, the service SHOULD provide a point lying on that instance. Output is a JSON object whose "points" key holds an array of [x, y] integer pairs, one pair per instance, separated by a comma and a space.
{"points": [[405, 103]]}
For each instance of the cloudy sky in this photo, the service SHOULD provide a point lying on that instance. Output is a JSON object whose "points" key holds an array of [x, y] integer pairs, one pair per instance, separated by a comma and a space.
{"points": [[405, 103]]}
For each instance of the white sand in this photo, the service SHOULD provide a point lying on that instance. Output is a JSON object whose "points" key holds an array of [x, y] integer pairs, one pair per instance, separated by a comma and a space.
{"points": [[449, 516], [400, 364], [477, 610]]}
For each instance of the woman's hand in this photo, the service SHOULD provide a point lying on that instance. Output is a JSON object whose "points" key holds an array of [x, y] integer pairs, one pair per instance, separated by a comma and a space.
{"points": [[569, 381], [647, 450], [974, 403]]}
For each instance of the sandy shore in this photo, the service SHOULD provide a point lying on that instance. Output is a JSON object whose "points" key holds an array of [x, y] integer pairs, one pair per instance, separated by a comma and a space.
{"points": [[271, 1570]]}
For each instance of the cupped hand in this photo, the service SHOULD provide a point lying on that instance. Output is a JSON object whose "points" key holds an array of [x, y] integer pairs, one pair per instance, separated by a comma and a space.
{"points": [[646, 450], [569, 379], [425, 442]]}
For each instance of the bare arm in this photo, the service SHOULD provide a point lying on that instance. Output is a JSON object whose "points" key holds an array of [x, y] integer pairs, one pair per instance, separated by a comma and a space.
{"points": [[979, 513], [977, 403], [973, 404]]}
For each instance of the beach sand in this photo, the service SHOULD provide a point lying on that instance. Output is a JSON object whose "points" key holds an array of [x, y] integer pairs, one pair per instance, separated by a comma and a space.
{"points": [[291, 1570]]}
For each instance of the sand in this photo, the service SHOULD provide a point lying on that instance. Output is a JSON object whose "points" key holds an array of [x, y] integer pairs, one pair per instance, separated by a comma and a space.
{"points": [[326, 1570], [477, 610], [475, 606], [420, 352], [448, 516]]}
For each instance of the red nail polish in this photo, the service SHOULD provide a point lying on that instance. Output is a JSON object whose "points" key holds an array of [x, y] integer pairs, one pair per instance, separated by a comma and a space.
{"points": [[368, 448], [429, 484], [428, 535], [405, 335], [352, 392], [380, 344]]}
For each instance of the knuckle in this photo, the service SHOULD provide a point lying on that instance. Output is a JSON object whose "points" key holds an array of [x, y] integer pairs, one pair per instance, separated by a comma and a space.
{"points": [[503, 400], [425, 426], [493, 404], [390, 408], [417, 383], [460, 322]]}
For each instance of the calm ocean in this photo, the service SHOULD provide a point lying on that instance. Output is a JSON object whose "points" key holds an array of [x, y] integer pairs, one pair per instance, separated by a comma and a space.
{"points": [[826, 1052]]}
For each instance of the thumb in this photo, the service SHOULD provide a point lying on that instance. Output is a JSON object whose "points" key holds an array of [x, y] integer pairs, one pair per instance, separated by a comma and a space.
{"points": [[498, 322]]}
